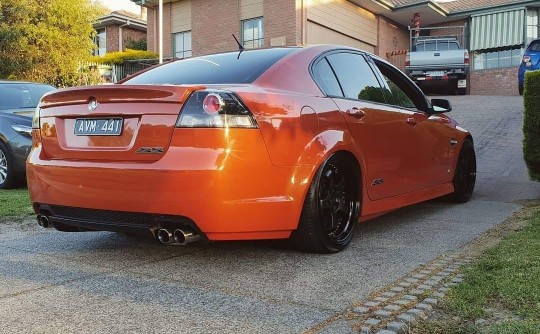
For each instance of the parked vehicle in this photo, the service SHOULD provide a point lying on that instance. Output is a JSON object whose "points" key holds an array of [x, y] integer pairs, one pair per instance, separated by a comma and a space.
{"points": [[260, 144], [438, 61], [18, 101], [530, 62]]}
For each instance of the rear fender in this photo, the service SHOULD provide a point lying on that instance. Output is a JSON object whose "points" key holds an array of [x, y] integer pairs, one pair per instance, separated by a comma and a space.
{"points": [[318, 150]]}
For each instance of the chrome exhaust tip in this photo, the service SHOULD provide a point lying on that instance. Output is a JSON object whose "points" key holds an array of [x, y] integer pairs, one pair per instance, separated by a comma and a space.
{"points": [[165, 237], [184, 237], [43, 221]]}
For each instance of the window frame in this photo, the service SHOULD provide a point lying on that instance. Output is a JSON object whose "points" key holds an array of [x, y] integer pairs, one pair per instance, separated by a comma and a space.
{"points": [[259, 40], [419, 99], [183, 52]]}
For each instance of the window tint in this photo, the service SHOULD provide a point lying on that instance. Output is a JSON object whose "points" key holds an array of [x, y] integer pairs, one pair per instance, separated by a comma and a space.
{"points": [[534, 46], [326, 78], [404, 93], [220, 68], [356, 77]]}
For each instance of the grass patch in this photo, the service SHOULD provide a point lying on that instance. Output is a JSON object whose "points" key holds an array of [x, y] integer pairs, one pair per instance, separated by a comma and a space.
{"points": [[15, 203], [501, 287]]}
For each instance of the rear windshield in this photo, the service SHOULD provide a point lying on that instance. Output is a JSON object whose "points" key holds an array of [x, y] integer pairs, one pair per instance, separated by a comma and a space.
{"points": [[534, 46], [436, 46], [220, 68]]}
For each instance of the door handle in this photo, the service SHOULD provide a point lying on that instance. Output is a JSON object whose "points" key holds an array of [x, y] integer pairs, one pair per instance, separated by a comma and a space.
{"points": [[355, 112], [411, 121]]}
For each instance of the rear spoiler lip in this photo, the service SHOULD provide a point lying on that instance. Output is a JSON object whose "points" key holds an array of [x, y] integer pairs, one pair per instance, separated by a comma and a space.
{"points": [[118, 94]]}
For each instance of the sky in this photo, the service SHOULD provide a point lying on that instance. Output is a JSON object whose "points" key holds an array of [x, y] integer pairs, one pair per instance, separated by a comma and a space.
{"points": [[121, 4]]}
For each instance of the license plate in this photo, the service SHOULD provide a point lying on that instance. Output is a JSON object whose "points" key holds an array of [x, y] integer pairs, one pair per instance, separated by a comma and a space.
{"points": [[435, 73], [98, 126]]}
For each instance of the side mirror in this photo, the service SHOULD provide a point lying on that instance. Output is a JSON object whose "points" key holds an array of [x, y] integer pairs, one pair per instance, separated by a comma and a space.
{"points": [[440, 106]]}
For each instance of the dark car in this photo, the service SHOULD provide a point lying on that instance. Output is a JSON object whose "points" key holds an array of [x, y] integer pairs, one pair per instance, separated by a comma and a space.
{"points": [[18, 101], [531, 62]]}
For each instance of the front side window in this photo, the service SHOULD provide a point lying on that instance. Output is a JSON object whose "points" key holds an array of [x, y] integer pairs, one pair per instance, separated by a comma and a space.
{"points": [[356, 77], [182, 44], [403, 93], [20, 96], [252, 33]]}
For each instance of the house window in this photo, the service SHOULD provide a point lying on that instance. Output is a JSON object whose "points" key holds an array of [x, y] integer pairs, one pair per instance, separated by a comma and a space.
{"points": [[182, 44], [252, 33], [101, 43], [483, 60], [532, 25]]}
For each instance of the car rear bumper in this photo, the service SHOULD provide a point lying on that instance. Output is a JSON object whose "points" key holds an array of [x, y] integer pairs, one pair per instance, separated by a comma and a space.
{"points": [[225, 186]]}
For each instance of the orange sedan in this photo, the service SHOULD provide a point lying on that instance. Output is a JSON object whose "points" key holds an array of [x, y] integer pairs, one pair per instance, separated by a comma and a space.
{"points": [[299, 143]]}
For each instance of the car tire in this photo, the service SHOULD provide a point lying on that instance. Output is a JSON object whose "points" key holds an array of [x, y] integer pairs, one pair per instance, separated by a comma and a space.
{"points": [[520, 89], [464, 174], [331, 207], [7, 174]]}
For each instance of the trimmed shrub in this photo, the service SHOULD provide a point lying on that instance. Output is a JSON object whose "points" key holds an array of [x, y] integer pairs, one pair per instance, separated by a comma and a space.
{"points": [[531, 123], [117, 58]]}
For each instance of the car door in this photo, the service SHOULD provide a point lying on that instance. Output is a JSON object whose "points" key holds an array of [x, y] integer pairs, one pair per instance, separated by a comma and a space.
{"points": [[379, 131], [430, 150]]}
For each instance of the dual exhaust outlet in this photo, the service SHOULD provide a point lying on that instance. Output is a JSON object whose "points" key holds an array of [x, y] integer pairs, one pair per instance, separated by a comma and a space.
{"points": [[179, 236]]}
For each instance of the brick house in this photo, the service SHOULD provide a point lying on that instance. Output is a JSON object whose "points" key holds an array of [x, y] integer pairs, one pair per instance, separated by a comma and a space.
{"points": [[494, 31], [116, 29]]}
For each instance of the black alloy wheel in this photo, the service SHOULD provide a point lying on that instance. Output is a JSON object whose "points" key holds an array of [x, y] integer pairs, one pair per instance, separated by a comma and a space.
{"points": [[331, 208], [6, 168], [465, 174]]}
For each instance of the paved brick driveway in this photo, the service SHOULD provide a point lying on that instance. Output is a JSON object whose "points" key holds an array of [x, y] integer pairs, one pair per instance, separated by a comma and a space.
{"points": [[54, 282]]}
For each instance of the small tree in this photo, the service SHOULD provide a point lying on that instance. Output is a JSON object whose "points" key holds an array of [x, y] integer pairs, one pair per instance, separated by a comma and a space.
{"points": [[136, 44], [46, 40], [531, 124]]}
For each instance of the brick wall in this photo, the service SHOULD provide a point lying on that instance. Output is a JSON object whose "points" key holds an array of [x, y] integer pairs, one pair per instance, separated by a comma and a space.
{"points": [[213, 32], [458, 32], [151, 35], [282, 19], [112, 38], [153, 30], [500, 81], [392, 38], [134, 35]]}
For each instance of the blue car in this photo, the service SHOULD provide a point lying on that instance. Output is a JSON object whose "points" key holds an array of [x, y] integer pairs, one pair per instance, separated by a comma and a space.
{"points": [[531, 62]]}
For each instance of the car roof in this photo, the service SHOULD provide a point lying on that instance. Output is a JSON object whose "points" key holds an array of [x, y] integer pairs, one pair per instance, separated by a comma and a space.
{"points": [[2, 82]]}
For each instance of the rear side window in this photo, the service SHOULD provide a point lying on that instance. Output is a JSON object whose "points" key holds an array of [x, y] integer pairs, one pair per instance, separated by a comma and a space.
{"points": [[356, 77], [534, 46], [220, 68], [325, 77]]}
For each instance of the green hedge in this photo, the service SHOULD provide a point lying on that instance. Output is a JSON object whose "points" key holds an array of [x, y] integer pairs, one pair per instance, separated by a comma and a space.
{"points": [[531, 123], [117, 58]]}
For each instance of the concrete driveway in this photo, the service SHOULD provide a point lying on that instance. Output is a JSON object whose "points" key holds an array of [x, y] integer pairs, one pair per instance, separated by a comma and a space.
{"points": [[52, 282]]}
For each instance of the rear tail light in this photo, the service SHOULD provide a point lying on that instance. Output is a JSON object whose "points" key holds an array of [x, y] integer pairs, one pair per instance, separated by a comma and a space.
{"points": [[215, 109], [407, 59], [526, 59], [36, 126], [466, 60]]}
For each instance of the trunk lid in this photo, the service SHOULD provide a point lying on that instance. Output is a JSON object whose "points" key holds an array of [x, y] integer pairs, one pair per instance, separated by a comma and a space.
{"points": [[110, 122]]}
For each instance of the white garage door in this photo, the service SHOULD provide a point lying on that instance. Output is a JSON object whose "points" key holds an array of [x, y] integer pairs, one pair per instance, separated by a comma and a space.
{"points": [[317, 34]]}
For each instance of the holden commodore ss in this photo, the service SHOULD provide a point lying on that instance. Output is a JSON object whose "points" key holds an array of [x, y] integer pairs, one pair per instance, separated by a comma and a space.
{"points": [[299, 143]]}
